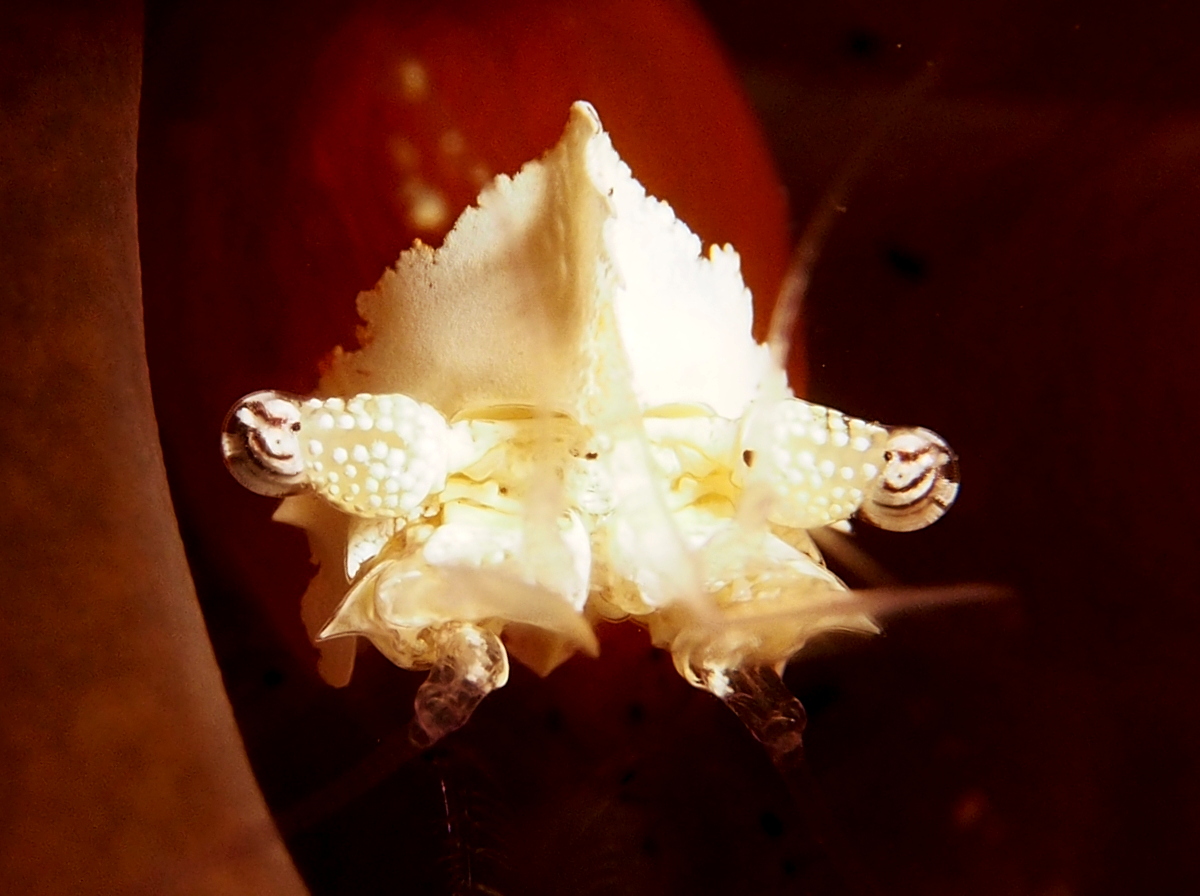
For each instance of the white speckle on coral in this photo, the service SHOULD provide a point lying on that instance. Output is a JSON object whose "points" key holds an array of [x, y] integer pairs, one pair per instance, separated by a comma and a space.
{"points": [[413, 80], [424, 205]]}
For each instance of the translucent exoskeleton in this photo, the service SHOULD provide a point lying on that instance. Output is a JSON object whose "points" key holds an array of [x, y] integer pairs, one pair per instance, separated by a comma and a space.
{"points": [[634, 454]]}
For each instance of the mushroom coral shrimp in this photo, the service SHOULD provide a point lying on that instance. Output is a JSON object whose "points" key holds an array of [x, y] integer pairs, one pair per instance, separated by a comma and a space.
{"points": [[561, 416]]}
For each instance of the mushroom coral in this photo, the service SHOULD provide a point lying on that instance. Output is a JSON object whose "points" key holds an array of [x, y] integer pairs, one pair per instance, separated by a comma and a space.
{"points": [[124, 770]]}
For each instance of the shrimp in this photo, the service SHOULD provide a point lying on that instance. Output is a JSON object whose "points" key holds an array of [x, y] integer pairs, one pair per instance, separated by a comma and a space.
{"points": [[561, 416]]}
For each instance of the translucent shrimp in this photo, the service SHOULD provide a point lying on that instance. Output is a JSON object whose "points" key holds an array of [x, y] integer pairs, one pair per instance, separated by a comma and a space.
{"points": [[559, 416]]}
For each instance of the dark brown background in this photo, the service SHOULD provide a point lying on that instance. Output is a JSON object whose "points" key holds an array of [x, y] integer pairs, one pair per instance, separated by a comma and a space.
{"points": [[1017, 269]]}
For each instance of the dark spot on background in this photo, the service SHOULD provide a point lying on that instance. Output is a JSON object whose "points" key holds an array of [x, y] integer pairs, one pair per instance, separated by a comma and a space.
{"points": [[818, 697], [636, 713], [907, 264], [771, 823], [863, 43], [272, 678]]}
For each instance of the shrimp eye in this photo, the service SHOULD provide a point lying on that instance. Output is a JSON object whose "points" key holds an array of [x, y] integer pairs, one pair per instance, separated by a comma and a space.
{"points": [[918, 483], [260, 443]]}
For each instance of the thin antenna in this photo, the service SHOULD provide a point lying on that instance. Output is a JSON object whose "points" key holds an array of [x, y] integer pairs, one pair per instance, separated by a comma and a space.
{"points": [[794, 287]]}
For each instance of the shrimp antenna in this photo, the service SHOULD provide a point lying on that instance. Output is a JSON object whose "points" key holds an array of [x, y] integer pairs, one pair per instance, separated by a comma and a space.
{"points": [[812, 240]]}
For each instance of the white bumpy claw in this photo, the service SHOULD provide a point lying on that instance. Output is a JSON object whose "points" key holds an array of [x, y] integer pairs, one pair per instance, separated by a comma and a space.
{"points": [[817, 462], [374, 456]]}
